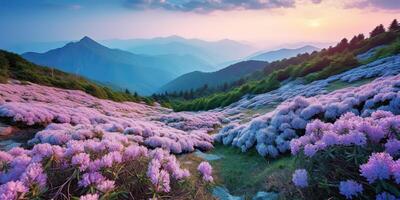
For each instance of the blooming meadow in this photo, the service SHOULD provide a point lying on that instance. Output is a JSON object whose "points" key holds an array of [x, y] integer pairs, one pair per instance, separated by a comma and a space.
{"points": [[99, 149], [271, 133], [347, 142]]}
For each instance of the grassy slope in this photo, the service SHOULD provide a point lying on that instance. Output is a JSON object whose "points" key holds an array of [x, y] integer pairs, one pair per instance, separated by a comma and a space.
{"points": [[12, 66], [247, 173]]}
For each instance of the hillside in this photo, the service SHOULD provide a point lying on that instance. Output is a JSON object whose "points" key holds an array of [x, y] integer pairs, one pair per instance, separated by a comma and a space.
{"points": [[280, 54], [12, 66], [308, 67], [140, 73], [227, 75]]}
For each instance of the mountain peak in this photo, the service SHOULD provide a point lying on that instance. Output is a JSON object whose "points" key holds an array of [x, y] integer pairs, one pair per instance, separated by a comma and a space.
{"points": [[87, 39], [88, 43]]}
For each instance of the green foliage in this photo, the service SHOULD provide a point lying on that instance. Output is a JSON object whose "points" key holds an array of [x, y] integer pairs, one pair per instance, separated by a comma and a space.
{"points": [[3, 69], [337, 65], [12, 66], [394, 26], [392, 49], [378, 30]]}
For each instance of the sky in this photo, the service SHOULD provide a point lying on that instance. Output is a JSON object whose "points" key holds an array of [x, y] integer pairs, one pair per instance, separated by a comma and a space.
{"points": [[263, 23]]}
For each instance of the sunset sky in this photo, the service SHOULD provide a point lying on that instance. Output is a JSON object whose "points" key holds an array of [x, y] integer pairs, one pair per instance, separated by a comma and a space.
{"points": [[264, 23]]}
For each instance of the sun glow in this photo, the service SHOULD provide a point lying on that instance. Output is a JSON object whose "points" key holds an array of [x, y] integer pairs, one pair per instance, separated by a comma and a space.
{"points": [[314, 23]]}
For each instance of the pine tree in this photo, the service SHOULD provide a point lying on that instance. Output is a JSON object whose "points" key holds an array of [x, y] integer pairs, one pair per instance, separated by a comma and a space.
{"points": [[127, 91], [343, 44], [378, 30], [355, 41], [394, 26]]}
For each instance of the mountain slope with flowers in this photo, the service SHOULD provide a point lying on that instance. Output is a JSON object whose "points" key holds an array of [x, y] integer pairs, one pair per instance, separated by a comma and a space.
{"points": [[76, 125], [334, 138]]}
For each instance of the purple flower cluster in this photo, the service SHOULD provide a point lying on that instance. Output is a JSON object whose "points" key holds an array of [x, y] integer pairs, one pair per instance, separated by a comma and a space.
{"points": [[300, 178], [350, 130], [162, 168], [350, 189], [374, 133], [378, 167], [12, 190], [385, 196], [205, 170], [23, 169], [381, 166]]}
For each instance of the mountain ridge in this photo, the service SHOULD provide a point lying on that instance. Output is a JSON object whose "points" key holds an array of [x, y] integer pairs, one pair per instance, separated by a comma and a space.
{"points": [[197, 79], [282, 53], [124, 69]]}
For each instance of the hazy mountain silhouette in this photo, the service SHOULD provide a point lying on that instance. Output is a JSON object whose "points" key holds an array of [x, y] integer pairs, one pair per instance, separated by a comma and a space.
{"points": [[142, 73], [214, 52], [197, 79], [280, 54]]}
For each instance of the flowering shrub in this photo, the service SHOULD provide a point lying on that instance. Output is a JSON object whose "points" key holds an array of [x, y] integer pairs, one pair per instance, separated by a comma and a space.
{"points": [[75, 115], [205, 170], [353, 156], [100, 167], [271, 133], [97, 149]]}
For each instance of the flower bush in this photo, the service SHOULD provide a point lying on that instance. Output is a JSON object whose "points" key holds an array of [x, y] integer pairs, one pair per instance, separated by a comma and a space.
{"points": [[100, 167], [271, 133], [353, 156], [205, 170], [91, 148], [74, 115]]}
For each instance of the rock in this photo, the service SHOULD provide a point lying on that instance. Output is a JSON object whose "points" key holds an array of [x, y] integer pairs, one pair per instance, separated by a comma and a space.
{"points": [[265, 196], [223, 194]]}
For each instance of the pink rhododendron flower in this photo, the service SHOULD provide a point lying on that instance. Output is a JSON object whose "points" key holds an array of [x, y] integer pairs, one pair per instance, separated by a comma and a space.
{"points": [[89, 197], [205, 170], [377, 167]]}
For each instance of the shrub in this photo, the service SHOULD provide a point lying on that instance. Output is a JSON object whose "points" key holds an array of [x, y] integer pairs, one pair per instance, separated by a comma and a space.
{"points": [[361, 153]]}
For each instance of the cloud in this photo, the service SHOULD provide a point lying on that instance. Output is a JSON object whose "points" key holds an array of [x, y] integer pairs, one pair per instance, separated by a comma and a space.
{"points": [[316, 1], [205, 6], [382, 4]]}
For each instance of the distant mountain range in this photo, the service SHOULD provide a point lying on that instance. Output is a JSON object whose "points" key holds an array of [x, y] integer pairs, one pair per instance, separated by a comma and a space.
{"points": [[280, 54], [141, 73], [159, 64], [198, 79], [214, 52], [258, 61]]}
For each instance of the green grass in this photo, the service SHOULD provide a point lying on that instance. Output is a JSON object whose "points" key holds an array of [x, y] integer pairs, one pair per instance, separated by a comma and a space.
{"points": [[336, 85], [247, 173]]}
